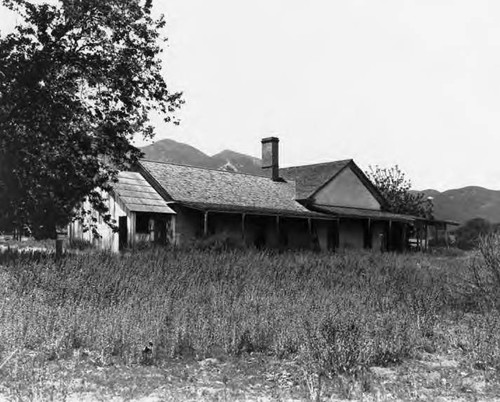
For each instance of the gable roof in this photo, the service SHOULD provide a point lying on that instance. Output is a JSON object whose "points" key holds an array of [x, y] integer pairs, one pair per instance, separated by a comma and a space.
{"points": [[204, 188], [138, 195], [311, 178]]}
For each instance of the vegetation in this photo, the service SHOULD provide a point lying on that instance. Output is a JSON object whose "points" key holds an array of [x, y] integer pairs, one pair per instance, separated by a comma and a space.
{"points": [[469, 234], [396, 189], [334, 315], [78, 80]]}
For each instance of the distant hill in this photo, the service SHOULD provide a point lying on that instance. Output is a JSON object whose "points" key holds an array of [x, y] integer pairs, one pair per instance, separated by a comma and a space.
{"points": [[176, 152], [466, 203], [236, 162], [457, 205]]}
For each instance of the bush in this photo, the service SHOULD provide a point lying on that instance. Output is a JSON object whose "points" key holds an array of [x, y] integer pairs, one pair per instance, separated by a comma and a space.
{"points": [[471, 231], [485, 270]]}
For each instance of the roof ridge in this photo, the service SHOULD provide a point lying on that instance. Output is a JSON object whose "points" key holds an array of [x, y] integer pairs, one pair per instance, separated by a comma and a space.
{"points": [[343, 206], [318, 164], [203, 168]]}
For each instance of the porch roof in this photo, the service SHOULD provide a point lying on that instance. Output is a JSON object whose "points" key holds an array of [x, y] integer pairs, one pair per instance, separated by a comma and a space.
{"points": [[138, 195], [346, 212], [227, 208]]}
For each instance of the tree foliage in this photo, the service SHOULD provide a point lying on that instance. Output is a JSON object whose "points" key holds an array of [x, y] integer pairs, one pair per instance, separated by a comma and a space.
{"points": [[396, 189], [469, 234], [78, 80]]}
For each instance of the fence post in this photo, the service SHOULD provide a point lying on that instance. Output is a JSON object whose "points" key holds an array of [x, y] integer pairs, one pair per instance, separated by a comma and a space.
{"points": [[60, 237]]}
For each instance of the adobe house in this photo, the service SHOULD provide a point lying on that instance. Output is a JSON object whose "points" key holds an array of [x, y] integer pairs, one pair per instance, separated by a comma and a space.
{"points": [[324, 206]]}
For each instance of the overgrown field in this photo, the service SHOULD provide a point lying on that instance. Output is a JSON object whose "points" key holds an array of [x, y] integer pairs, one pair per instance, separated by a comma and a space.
{"points": [[334, 314]]}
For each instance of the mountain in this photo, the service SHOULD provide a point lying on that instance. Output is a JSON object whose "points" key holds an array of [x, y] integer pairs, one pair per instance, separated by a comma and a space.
{"points": [[172, 151], [457, 205], [177, 152], [236, 162], [466, 203]]}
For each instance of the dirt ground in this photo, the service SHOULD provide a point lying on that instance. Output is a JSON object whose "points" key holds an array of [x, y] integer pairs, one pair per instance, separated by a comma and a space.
{"points": [[430, 377]]}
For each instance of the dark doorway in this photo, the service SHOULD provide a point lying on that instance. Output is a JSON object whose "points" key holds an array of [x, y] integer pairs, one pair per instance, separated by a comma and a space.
{"points": [[333, 236], [160, 229], [122, 232]]}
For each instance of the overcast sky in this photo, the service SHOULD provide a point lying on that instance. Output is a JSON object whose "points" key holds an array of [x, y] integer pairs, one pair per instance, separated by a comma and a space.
{"points": [[413, 83]]}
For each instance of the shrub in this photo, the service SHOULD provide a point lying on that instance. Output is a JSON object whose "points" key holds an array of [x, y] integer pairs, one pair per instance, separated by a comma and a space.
{"points": [[485, 270]]}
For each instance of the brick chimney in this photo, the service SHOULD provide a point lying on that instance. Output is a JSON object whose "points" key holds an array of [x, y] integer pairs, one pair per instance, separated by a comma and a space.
{"points": [[270, 157]]}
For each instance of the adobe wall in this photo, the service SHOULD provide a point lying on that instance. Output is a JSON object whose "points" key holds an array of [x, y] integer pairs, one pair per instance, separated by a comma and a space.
{"points": [[351, 234], [346, 190]]}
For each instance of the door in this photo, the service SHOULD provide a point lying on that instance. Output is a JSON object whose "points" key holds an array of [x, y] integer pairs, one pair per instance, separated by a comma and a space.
{"points": [[122, 232]]}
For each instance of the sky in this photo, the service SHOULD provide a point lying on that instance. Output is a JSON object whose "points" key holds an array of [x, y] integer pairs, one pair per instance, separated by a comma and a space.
{"points": [[384, 82]]}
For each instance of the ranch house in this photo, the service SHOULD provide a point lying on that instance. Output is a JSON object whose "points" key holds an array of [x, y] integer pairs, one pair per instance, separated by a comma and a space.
{"points": [[325, 206]]}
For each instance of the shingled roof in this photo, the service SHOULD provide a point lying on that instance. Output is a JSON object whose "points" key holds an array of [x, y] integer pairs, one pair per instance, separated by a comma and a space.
{"points": [[204, 188], [138, 195], [309, 178]]}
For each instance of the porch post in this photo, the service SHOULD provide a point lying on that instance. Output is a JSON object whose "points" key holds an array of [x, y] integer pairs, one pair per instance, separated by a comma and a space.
{"points": [[309, 232], [131, 229], [368, 234], [174, 234], [426, 237], [243, 227], [389, 237], [205, 224], [337, 235], [405, 228], [418, 229]]}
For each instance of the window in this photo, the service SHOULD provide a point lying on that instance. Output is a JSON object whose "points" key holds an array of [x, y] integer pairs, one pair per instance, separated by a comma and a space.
{"points": [[142, 223]]}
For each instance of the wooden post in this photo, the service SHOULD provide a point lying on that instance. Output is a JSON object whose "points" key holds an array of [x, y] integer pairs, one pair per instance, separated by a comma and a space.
{"points": [[278, 232], [151, 229], [426, 247], [405, 228], [389, 237], [60, 236], [205, 224], [337, 235], [174, 229], [243, 227], [446, 235], [309, 232], [131, 229], [368, 234], [418, 231]]}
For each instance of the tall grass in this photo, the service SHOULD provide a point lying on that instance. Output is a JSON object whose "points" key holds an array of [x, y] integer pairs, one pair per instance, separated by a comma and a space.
{"points": [[337, 313]]}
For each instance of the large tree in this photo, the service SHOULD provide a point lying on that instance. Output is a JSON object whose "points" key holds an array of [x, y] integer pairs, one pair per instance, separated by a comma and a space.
{"points": [[78, 79], [396, 189]]}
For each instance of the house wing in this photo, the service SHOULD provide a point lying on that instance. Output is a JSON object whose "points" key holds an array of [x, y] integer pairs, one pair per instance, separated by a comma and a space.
{"points": [[350, 188], [137, 195], [339, 183], [309, 178]]}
